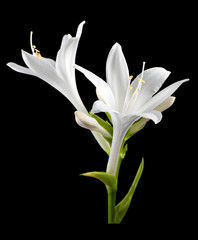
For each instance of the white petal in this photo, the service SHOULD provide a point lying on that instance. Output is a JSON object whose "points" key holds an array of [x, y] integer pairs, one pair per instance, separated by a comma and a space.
{"points": [[65, 39], [20, 69], [153, 80], [47, 72], [100, 106], [119, 131], [79, 30], [161, 97], [42, 69], [166, 104], [103, 88], [66, 59], [117, 74], [154, 115]]}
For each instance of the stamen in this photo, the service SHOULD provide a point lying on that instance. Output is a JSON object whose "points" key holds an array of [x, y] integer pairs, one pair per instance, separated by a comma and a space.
{"points": [[137, 90], [130, 87], [141, 80], [31, 33], [142, 70], [37, 52], [130, 77], [142, 74]]}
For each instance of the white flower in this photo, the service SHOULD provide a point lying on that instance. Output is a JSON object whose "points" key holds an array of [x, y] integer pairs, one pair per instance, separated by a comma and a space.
{"points": [[126, 102], [60, 73]]}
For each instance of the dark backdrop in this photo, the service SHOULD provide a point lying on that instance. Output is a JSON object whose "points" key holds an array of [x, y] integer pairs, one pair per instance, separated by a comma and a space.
{"points": [[44, 150]]}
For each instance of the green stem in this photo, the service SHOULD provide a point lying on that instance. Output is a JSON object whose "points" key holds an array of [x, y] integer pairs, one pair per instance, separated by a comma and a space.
{"points": [[111, 204]]}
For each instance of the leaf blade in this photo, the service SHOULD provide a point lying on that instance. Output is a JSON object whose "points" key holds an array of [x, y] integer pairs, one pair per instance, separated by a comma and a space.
{"points": [[122, 207]]}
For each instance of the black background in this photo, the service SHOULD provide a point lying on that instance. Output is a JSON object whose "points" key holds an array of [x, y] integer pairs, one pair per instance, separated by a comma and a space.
{"points": [[44, 150]]}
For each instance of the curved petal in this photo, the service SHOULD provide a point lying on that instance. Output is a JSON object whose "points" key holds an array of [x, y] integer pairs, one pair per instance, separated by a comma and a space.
{"points": [[117, 74], [103, 88], [41, 69], [153, 80], [100, 106], [166, 104], [65, 60], [20, 69], [64, 40], [161, 97], [79, 30], [47, 72], [154, 115]]}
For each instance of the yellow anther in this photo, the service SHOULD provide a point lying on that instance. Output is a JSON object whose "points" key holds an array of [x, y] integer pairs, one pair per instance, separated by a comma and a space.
{"points": [[130, 77], [130, 87], [139, 79], [37, 52]]}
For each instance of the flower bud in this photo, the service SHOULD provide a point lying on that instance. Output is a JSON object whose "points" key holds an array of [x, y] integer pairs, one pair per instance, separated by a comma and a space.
{"points": [[85, 121], [166, 104]]}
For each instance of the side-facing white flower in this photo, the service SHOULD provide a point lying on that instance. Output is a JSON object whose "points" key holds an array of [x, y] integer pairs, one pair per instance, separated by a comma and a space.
{"points": [[60, 74], [126, 102]]}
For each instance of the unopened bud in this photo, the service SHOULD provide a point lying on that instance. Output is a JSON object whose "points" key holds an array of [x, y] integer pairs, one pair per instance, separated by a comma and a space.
{"points": [[85, 121]]}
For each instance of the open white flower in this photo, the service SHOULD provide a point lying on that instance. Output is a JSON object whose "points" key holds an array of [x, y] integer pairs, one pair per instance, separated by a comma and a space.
{"points": [[127, 102], [60, 73]]}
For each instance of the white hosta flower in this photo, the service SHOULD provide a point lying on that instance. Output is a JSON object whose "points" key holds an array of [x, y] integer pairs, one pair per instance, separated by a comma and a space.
{"points": [[60, 74], [126, 102]]}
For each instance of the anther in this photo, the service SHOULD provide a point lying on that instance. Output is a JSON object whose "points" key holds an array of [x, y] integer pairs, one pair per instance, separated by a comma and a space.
{"points": [[141, 80], [37, 52]]}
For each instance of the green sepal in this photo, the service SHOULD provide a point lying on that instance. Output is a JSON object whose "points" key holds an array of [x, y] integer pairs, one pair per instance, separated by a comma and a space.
{"points": [[135, 128], [105, 124], [122, 207], [109, 180]]}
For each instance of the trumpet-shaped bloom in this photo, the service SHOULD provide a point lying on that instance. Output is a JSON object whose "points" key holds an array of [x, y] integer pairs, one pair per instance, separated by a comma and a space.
{"points": [[60, 74], [127, 102]]}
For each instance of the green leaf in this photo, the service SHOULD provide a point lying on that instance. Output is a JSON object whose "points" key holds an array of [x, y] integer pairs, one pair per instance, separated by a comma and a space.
{"points": [[109, 180], [122, 207]]}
